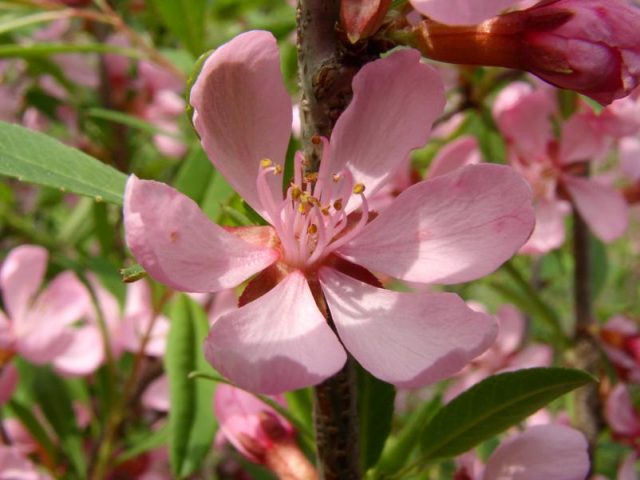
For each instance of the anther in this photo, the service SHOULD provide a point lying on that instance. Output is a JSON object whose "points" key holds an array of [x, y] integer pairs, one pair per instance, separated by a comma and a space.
{"points": [[338, 204], [336, 177], [304, 208], [325, 210], [278, 169], [295, 192], [311, 229], [311, 177], [358, 188], [266, 163], [316, 140]]}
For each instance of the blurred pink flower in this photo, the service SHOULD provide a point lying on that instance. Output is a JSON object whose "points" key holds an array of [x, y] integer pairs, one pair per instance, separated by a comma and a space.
{"points": [[14, 465], [507, 353], [552, 167], [8, 378], [622, 417], [550, 452], [453, 228], [39, 324], [620, 339]]}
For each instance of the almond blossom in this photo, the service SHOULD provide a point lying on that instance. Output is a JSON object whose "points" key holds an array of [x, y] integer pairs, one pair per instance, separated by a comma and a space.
{"points": [[550, 452], [553, 166], [315, 258]]}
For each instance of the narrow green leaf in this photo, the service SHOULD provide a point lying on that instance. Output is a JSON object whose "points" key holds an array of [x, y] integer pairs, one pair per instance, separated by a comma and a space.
{"points": [[375, 411], [129, 121], [494, 405], [186, 19], [52, 396], [27, 20], [36, 158], [47, 49], [191, 422], [141, 445], [33, 425]]}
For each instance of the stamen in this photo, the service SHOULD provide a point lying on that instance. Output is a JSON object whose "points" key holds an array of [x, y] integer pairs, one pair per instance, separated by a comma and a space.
{"points": [[312, 229], [338, 204], [355, 230], [266, 163], [358, 188]]}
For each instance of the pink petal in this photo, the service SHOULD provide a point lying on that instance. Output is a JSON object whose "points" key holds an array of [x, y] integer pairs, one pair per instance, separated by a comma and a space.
{"points": [[620, 412], [16, 466], [450, 229], [462, 151], [44, 333], [84, 354], [549, 452], [630, 158], [8, 382], [531, 356], [238, 413], [512, 325], [276, 343], [182, 248], [242, 111], [408, 339], [156, 396], [20, 277], [395, 102], [582, 139], [524, 117], [549, 232], [461, 12], [603, 208], [627, 470]]}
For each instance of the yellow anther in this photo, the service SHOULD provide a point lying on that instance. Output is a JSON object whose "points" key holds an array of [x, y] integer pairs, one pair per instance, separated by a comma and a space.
{"points": [[304, 208], [295, 192], [278, 169], [312, 229], [336, 177], [266, 163], [338, 204], [311, 177], [358, 188], [314, 201], [325, 210]]}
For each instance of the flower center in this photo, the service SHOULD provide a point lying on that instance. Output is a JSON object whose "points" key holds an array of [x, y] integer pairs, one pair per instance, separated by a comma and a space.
{"points": [[310, 220]]}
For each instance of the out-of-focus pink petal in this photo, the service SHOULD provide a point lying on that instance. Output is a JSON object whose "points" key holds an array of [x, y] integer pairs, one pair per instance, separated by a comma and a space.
{"points": [[464, 381], [450, 229], [549, 232], [461, 12], [603, 208], [238, 413], [7, 337], [156, 396], [523, 115], [627, 470], [391, 336], [512, 325], [630, 158], [620, 413], [550, 452], [8, 382], [83, 356], [369, 137], [582, 139], [223, 302], [242, 111], [462, 151], [15, 466], [182, 248], [531, 356], [20, 277], [276, 343]]}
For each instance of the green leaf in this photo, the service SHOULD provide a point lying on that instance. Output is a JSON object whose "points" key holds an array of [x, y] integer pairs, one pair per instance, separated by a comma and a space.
{"points": [[142, 444], [375, 411], [129, 121], [494, 405], [191, 422], [47, 49], [194, 175], [133, 273], [36, 158], [34, 426], [186, 19], [33, 19], [52, 396]]}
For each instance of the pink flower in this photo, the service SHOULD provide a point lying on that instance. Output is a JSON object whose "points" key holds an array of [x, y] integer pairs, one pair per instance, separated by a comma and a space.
{"points": [[524, 115], [38, 326], [15, 466], [550, 452], [621, 342], [260, 433], [323, 240], [505, 354], [461, 12], [622, 417]]}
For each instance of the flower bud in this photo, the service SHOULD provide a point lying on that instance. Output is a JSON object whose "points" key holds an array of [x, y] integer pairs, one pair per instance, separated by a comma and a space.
{"points": [[361, 18], [590, 46]]}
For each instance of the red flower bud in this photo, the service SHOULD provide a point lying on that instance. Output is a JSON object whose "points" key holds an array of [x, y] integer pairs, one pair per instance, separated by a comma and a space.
{"points": [[362, 18]]}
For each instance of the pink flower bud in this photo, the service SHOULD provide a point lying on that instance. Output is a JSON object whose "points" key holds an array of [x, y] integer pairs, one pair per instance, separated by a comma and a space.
{"points": [[361, 18]]}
